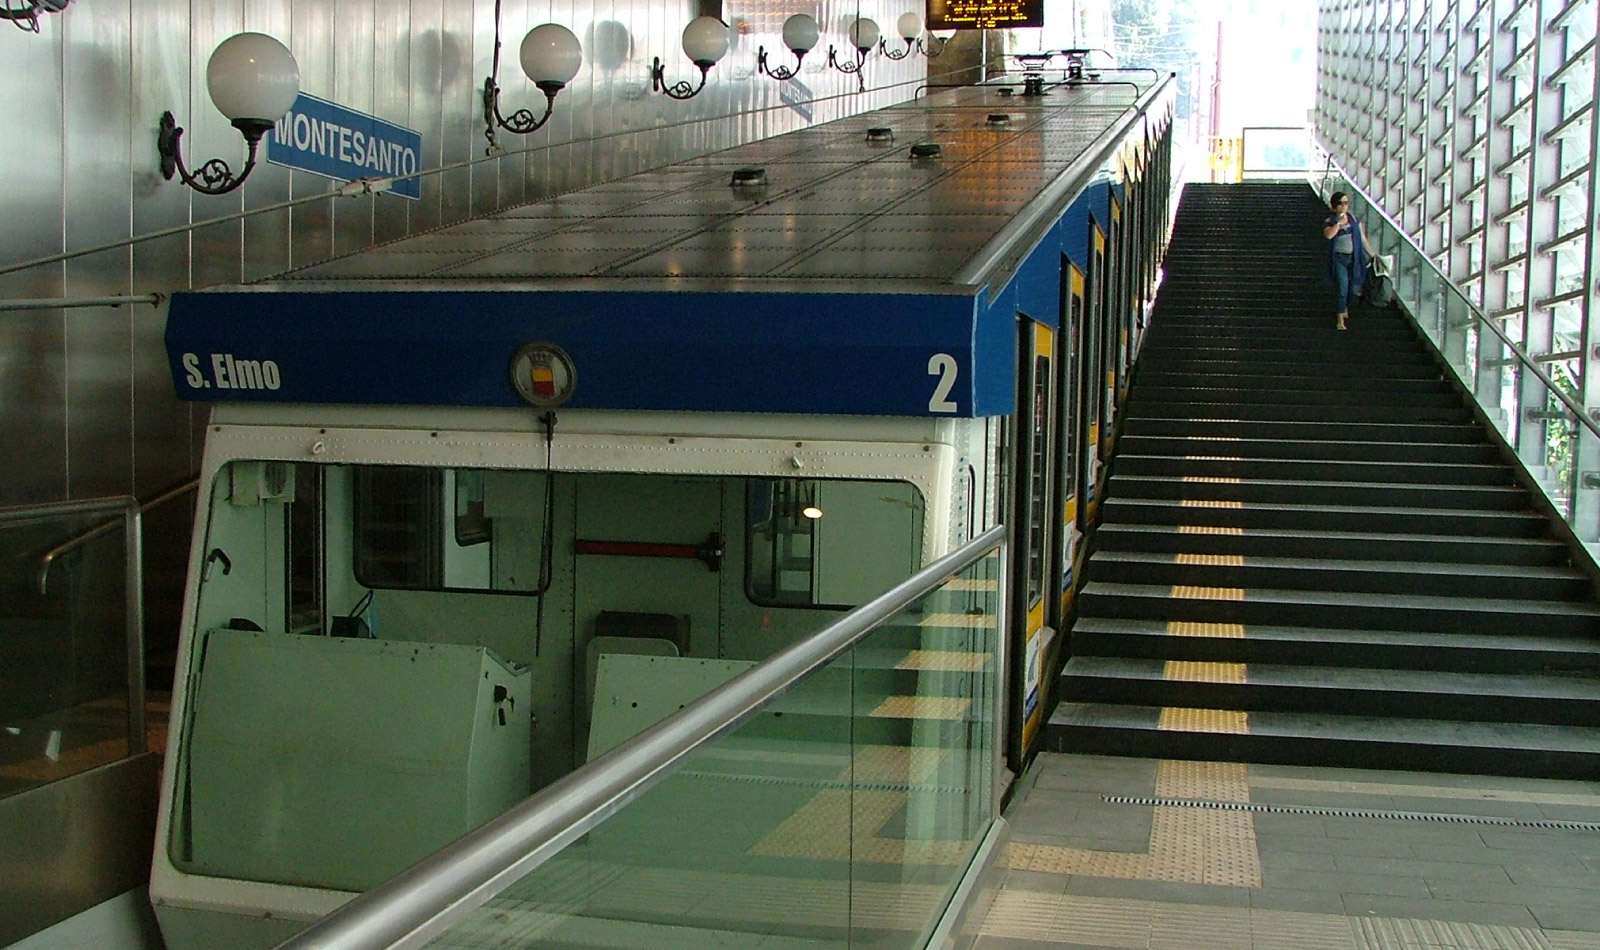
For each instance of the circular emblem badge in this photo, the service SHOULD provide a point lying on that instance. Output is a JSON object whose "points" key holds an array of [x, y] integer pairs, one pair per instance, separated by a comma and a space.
{"points": [[543, 375]]}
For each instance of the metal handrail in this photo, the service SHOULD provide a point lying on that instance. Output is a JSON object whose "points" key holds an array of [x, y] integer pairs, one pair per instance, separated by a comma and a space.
{"points": [[1476, 311], [48, 561], [133, 581], [426, 899], [1028, 228]]}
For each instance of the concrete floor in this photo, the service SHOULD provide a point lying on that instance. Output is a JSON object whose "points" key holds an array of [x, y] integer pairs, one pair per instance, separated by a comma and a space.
{"points": [[1084, 873]]}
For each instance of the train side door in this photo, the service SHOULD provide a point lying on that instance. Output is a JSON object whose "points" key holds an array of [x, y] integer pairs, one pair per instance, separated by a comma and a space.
{"points": [[1033, 520], [1070, 429], [1091, 390]]}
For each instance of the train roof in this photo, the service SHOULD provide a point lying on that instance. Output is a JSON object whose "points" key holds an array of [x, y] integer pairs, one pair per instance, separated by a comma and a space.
{"points": [[845, 276]]}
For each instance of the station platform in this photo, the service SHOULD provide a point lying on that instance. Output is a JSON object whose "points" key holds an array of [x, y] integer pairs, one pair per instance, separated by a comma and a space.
{"points": [[1270, 857]]}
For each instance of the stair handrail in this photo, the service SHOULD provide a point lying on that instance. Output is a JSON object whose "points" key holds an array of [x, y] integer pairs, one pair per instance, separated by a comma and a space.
{"points": [[424, 900], [1483, 318], [131, 513], [48, 560]]}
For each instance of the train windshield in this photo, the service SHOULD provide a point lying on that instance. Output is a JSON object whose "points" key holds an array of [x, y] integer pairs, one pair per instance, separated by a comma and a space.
{"points": [[386, 656]]}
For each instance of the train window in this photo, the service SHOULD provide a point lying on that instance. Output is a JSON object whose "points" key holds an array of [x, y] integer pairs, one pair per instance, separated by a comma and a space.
{"points": [[829, 543], [303, 541], [1039, 478], [403, 540]]}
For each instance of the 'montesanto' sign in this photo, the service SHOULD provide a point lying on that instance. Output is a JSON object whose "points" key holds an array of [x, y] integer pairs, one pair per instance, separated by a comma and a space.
{"points": [[328, 139]]}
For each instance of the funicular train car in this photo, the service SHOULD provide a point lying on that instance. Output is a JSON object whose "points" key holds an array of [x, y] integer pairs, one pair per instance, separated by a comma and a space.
{"points": [[455, 485]]}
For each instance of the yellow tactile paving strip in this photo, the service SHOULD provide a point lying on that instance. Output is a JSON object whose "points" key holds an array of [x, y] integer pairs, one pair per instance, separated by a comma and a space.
{"points": [[1208, 503], [970, 584], [1186, 592], [1197, 671], [1183, 719], [950, 661], [1187, 845], [1210, 560], [978, 621], [1208, 529], [1212, 458], [816, 832], [888, 763], [951, 708], [1195, 628], [1211, 480]]}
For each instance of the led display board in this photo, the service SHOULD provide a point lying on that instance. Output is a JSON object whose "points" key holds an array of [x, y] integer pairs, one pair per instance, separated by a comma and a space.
{"points": [[984, 14]]}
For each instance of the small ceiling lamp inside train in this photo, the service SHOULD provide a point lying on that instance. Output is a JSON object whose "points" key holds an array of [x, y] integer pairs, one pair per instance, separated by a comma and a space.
{"points": [[800, 34], [909, 26], [705, 41], [863, 36], [550, 56], [253, 80], [26, 17]]}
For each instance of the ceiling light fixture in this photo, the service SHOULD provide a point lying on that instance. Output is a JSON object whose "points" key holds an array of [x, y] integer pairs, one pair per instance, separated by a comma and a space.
{"points": [[26, 17], [253, 80], [550, 56], [909, 26], [863, 36], [705, 41], [800, 34]]}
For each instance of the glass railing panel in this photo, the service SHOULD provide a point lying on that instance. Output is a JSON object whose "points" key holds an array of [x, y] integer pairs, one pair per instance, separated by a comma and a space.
{"points": [[841, 815], [926, 691], [64, 692]]}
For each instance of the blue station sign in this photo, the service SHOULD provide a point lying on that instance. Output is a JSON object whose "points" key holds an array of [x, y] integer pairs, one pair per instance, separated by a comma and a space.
{"points": [[708, 351], [327, 139]]}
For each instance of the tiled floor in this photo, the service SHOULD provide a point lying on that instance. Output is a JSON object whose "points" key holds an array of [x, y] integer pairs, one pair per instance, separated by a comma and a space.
{"points": [[1083, 872]]}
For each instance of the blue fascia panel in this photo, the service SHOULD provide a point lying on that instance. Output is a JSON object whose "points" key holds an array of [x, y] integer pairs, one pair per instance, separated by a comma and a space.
{"points": [[852, 354]]}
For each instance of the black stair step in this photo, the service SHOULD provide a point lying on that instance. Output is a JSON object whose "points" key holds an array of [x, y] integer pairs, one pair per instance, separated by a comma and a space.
{"points": [[1142, 406], [1178, 355], [1435, 395], [1268, 542], [1366, 433], [1301, 492], [1326, 574], [1337, 609], [1228, 466], [1325, 450], [1276, 377], [1484, 748], [1527, 697], [1352, 518], [1520, 651]]}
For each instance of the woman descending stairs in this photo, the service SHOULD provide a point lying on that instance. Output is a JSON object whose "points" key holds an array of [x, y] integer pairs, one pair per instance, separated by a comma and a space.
{"points": [[1309, 551]]}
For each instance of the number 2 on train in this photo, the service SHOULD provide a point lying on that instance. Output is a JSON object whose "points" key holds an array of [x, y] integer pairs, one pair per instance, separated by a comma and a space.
{"points": [[942, 365]]}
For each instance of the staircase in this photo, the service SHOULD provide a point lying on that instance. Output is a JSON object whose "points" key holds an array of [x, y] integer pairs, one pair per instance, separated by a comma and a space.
{"points": [[1309, 553]]}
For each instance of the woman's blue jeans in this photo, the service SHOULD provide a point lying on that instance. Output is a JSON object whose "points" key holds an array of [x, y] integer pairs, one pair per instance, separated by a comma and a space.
{"points": [[1347, 283]]}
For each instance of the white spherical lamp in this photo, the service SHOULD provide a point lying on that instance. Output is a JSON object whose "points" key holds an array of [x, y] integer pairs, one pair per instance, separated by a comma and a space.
{"points": [[253, 79], [864, 33], [705, 41], [551, 56], [909, 25], [800, 32]]}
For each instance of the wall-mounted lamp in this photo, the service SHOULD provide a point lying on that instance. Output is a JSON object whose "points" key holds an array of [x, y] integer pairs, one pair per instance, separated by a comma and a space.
{"points": [[253, 80], [705, 41], [800, 34], [26, 17], [550, 56], [863, 36], [909, 26], [928, 49]]}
